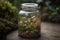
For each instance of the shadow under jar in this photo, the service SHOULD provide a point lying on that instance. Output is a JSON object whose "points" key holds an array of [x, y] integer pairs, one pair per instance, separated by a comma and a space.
{"points": [[29, 24]]}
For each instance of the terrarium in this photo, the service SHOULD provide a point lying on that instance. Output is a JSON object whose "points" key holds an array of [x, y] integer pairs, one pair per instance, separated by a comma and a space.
{"points": [[29, 24]]}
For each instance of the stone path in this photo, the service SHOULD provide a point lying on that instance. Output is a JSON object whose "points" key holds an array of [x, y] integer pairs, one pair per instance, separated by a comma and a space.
{"points": [[49, 31]]}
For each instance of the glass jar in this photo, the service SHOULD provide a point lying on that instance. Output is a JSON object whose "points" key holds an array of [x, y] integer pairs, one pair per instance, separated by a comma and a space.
{"points": [[29, 24]]}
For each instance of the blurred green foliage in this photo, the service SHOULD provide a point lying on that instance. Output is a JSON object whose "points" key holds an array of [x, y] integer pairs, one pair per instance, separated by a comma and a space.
{"points": [[17, 3], [8, 11], [54, 16], [53, 11], [8, 17]]}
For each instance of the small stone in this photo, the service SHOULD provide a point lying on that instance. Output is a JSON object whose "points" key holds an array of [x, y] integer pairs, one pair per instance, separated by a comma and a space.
{"points": [[37, 23], [27, 31], [33, 16], [35, 19], [29, 20], [23, 18], [25, 21], [20, 23]]}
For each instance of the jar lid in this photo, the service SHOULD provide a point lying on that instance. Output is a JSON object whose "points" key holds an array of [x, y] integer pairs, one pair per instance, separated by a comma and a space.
{"points": [[29, 5]]}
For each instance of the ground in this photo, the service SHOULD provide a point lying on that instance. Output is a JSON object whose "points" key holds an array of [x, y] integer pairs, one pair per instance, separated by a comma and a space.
{"points": [[49, 31]]}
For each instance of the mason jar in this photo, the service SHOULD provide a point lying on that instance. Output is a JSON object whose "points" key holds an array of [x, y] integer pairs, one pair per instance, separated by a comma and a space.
{"points": [[29, 24], [29, 6]]}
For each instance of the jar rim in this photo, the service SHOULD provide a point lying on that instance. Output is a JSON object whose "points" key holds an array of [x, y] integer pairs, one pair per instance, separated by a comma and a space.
{"points": [[26, 12], [30, 4]]}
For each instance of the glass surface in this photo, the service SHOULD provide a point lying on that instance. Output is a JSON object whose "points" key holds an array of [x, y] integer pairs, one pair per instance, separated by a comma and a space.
{"points": [[29, 25]]}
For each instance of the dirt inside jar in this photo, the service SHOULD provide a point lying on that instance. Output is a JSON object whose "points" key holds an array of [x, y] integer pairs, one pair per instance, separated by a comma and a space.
{"points": [[29, 27]]}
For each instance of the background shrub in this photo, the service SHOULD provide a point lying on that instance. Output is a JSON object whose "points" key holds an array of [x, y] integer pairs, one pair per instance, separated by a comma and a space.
{"points": [[8, 17]]}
